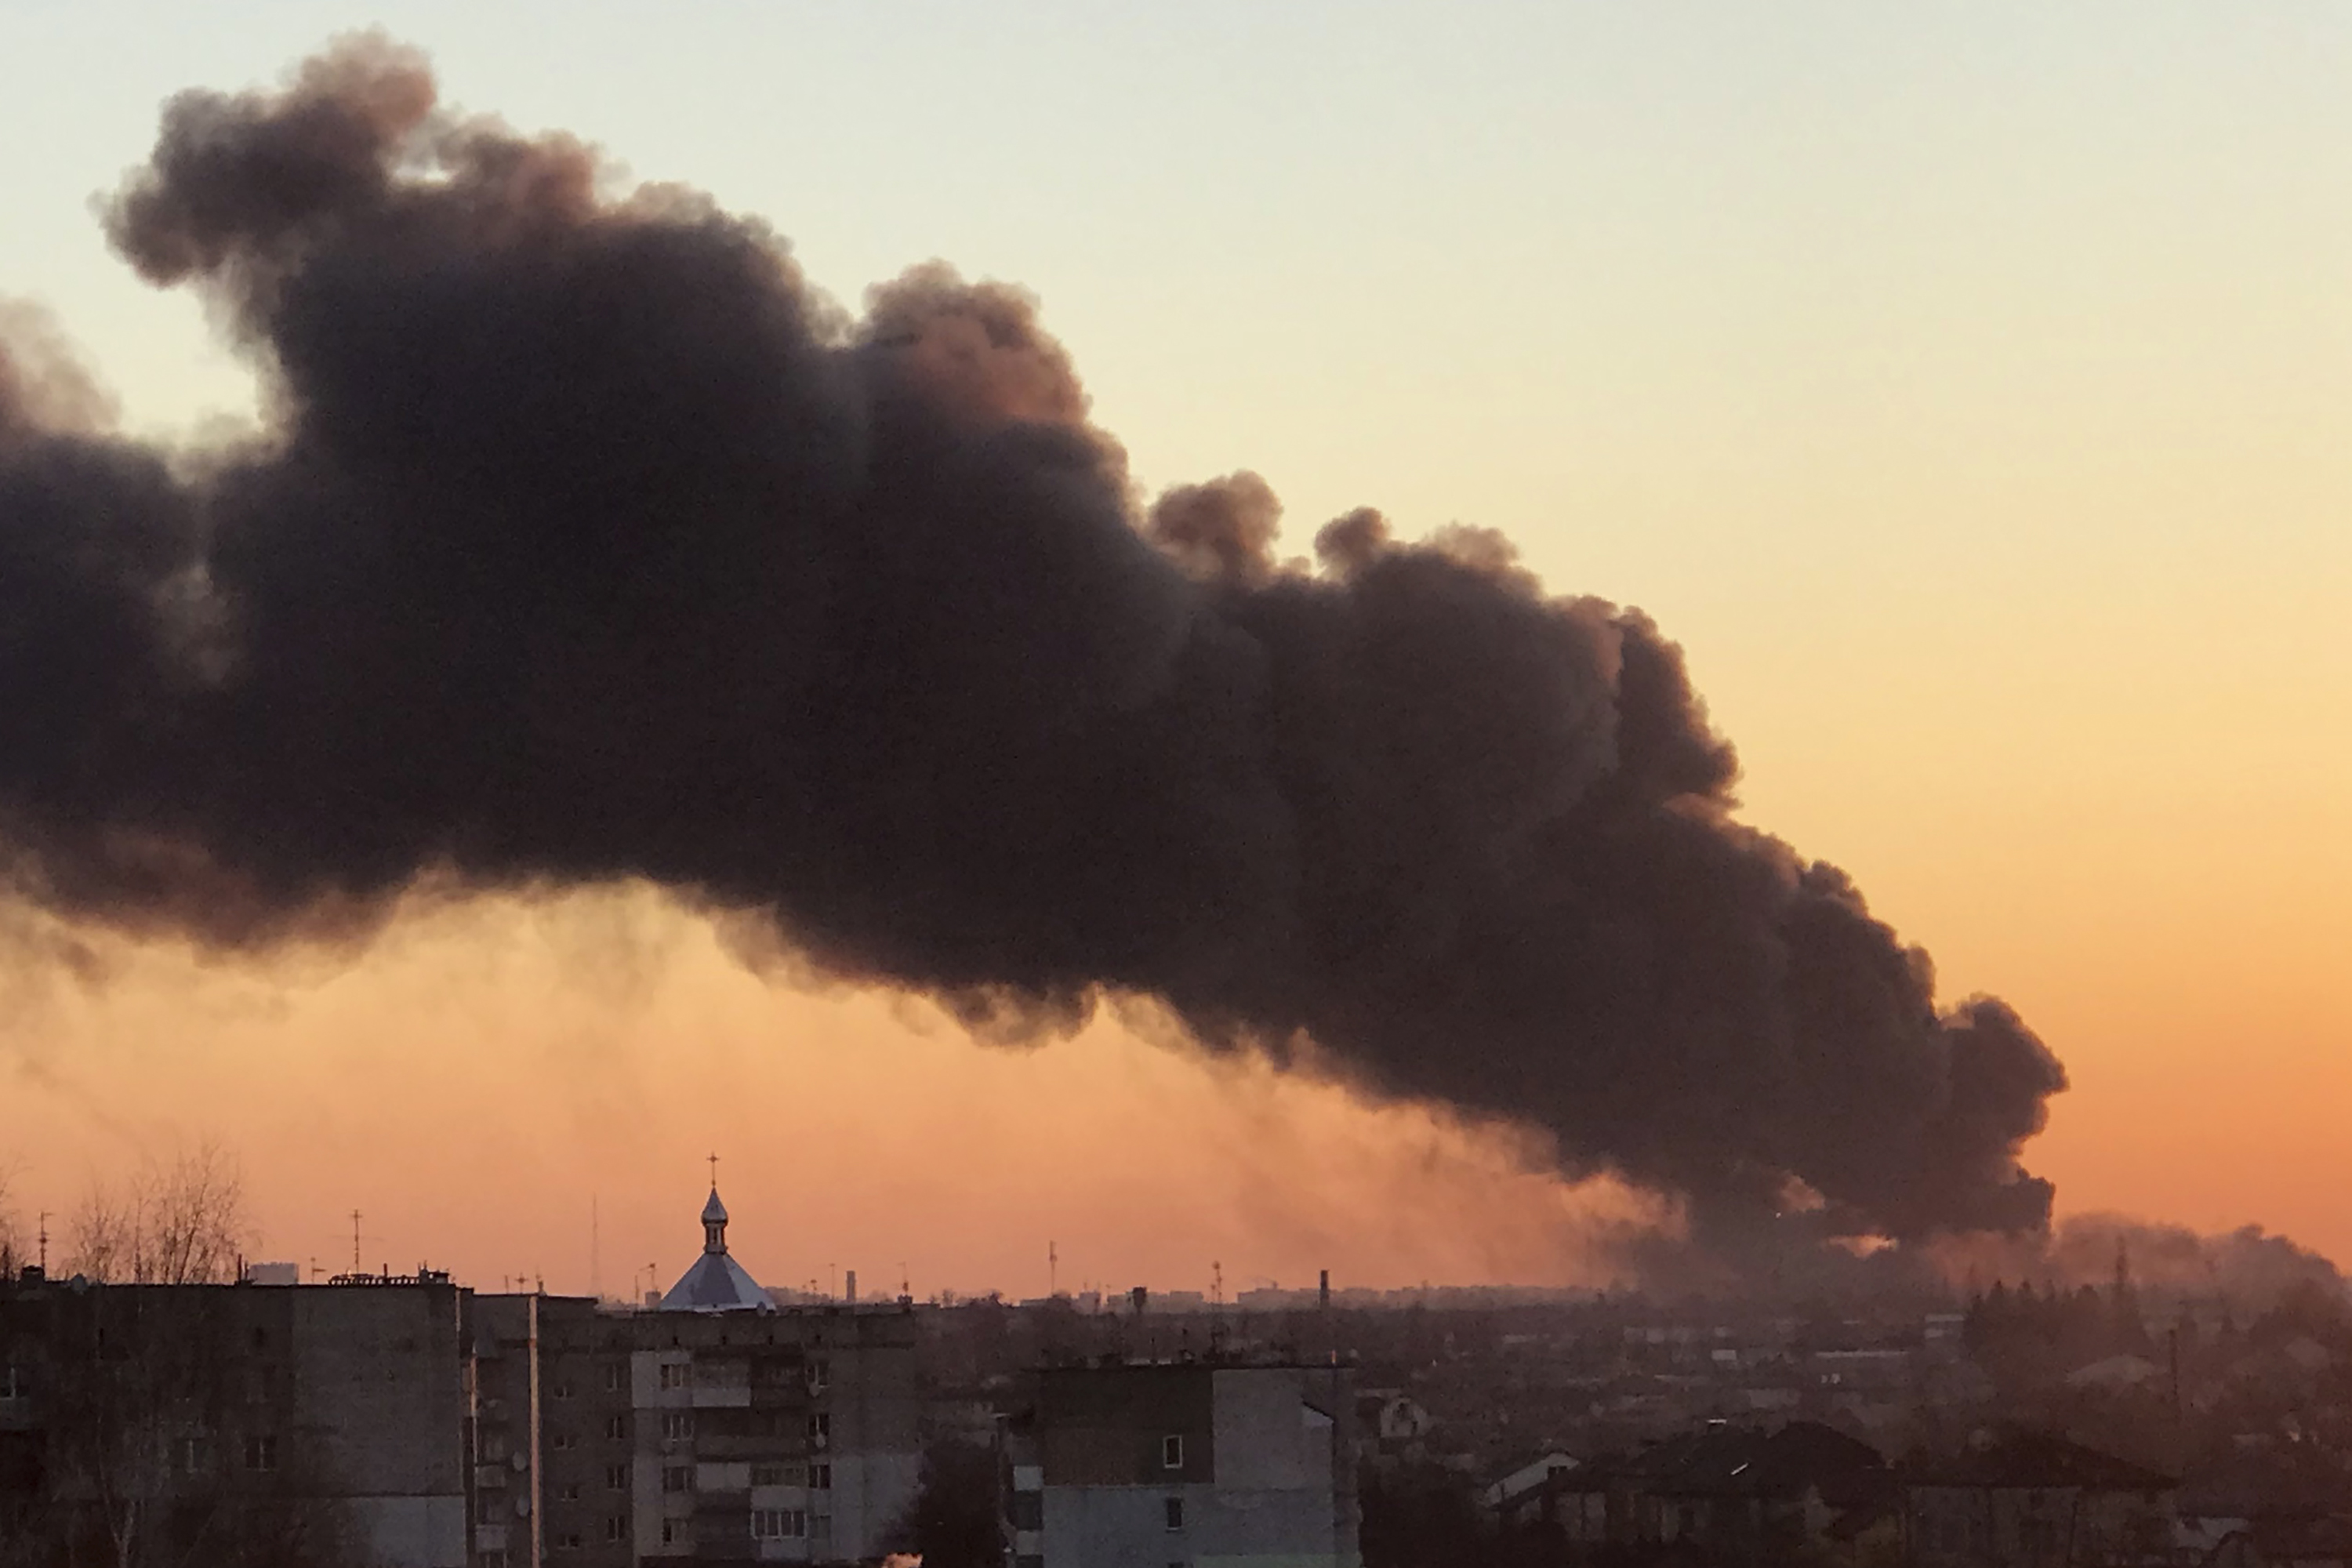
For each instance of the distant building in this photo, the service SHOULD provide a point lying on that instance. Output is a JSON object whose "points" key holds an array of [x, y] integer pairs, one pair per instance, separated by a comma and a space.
{"points": [[1725, 1493], [1401, 1419], [2034, 1499], [1519, 1478], [1131, 1465]]}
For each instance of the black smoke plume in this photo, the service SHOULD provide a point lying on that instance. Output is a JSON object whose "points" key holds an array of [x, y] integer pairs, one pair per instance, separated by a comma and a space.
{"points": [[586, 541]]}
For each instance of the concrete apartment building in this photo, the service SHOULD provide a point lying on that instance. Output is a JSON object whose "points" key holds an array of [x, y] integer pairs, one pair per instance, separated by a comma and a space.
{"points": [[156, 1411], [1191, 1464], [448, 1429], [716, 1429]]}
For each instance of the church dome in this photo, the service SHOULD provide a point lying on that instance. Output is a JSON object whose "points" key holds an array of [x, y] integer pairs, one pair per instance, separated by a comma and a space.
{"points": [[715, 1283]]}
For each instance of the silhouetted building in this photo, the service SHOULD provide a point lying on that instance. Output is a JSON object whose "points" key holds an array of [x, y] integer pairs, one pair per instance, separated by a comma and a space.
{"points": [[2027, 1499], [337, 1414], [1724, 1493]]}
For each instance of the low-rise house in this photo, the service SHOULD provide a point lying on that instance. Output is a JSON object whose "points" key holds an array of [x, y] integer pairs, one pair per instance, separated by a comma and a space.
{"points": [[1742, 1494], [1402, 1419], [1727, 1493], [2035, 1500], [1519, 1479]]}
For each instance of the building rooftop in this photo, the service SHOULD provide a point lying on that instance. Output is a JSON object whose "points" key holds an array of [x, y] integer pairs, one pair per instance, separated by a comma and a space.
{"points": [[715, 1283]]}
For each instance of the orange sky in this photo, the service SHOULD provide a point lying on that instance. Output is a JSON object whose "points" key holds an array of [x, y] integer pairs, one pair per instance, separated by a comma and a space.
{"points": [[492, 1076], [488, 1071]]}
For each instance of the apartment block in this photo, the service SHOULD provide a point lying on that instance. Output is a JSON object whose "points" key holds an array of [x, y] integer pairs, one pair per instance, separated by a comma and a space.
{"points": [[430, 1427], [180, 1411], [1186, 1465]]}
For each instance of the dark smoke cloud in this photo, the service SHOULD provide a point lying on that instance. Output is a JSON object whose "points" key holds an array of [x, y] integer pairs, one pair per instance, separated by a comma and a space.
{"points": [[589, 541]]}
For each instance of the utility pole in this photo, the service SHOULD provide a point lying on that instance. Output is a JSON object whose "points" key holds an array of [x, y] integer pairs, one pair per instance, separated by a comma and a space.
{"points": [[356, 1241], [45, 1244], [1052, 1270]]}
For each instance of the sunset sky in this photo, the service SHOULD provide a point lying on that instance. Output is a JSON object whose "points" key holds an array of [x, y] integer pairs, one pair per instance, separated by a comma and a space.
{"points": [[1967, 388]]}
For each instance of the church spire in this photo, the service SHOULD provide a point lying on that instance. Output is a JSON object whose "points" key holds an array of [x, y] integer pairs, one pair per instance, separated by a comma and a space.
{"points": [[715, 1283], [714, 1217]]}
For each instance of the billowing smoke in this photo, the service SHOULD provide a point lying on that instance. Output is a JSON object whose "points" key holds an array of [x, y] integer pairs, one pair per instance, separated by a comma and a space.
{"points": [[587, 540]]}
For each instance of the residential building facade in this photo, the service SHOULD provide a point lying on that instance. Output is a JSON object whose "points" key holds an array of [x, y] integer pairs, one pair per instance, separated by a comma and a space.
{"points": [[1197, 1464]]}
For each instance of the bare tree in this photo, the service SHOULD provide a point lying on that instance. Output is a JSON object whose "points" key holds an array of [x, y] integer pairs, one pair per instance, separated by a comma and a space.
{"points": [[12, 1225], [102, 1236], [196, 1219], [176, 1223]]}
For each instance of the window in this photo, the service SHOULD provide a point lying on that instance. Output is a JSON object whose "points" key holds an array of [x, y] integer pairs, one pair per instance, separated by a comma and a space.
{"points": [[779, 1523], [1029, 1560], [678, 1426], [196, 1455], [261, 1452], [616, 1527], [570, 1541], [494, 1448], [819, 1371], [673, 1375], [678, 1478], [768, 1475], [616, 1477], [820, 1478], [14, 1383], [485, 1508], [1028, 1511], [616, 1427], [675, 1531], [570, 1492], [493, 1560], [820, 1428], [563, 1390], [1172, 1453], [1175, 1506], [616, 1379], [260, 1384], [561, 1441]]}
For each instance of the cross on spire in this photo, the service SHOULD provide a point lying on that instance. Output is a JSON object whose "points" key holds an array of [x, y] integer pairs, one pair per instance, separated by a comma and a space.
{"points": [[714, 1172]]}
